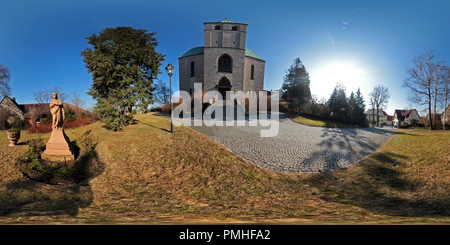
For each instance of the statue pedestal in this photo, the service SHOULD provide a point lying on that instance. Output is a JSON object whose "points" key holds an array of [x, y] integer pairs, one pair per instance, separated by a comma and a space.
{"points": [[58, 148]]}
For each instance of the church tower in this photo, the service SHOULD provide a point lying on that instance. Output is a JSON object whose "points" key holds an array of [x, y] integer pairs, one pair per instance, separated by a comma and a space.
{"points": [[223, 63]]}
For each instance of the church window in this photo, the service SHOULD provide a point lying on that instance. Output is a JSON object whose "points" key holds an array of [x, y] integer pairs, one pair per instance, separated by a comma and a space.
{"points": [[192, 69], [252, 72], [217, 28], [224, 63], [234, 28], [224, 82]]}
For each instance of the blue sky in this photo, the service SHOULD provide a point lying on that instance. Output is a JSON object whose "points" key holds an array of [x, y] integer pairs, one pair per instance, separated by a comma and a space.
{"points": [[358, 43]]}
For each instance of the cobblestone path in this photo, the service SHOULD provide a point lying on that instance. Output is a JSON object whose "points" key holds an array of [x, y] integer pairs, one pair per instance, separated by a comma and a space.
{"points": [[299, 148]]}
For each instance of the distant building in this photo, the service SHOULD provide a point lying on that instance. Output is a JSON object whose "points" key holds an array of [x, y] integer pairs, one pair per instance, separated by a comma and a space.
{"points": [[406, 117], [446, 115], [382, 116], [13, 110], [223, 63]]}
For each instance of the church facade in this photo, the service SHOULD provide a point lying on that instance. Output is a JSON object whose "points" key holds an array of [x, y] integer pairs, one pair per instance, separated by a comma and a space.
{"points": [[223, 63]]}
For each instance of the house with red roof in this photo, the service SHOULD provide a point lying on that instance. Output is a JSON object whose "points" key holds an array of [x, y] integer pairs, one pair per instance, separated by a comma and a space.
{"points": [[10, 109], [406, 117]]}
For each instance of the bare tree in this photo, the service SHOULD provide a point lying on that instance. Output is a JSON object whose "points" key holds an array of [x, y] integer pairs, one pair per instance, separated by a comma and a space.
{"points": [[42, 96], [33, 113], [379, 98], [4, 81], [78, 102], [446, 84], [45, 96], [162, 92], [422, 81], [372, 104]]}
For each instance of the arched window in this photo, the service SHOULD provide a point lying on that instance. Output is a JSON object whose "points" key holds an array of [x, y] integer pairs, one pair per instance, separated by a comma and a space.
{"points": [[234, 28], [224, 64], [192, 69], [224, 82], [217, 28], [252, 72]]}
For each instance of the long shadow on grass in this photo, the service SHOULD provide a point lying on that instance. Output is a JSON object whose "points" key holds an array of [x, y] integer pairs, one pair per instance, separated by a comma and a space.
{"points": [[379, 188], [153, 126], [26, 197], [54, 189]]}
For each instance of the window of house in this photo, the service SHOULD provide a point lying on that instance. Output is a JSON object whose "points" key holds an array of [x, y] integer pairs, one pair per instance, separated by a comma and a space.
{"points": [[217, 28], [192, 69], [234, 28], [252, 72], [224, 64]]}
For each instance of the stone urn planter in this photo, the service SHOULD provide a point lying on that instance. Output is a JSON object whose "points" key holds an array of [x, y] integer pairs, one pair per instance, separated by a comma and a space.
{"points": [[13, 136]]}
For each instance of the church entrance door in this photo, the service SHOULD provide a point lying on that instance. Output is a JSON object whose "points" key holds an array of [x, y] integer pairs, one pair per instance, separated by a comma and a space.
{"points": [[223, 91], [223, 86]]}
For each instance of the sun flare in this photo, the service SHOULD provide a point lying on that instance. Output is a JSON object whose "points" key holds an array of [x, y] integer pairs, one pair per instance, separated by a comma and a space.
{"points": [[349, 75]]}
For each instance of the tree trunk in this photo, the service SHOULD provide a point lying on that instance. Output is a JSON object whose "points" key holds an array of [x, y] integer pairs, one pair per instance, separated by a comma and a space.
{"points": [[429, 109], [378, 118], [373, 116], [445, 100], [445, 109], [435, 97]]}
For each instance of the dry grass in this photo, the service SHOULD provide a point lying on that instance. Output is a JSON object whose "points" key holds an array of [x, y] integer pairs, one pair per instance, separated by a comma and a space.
{"points": [[153, 176], [320, 122]]}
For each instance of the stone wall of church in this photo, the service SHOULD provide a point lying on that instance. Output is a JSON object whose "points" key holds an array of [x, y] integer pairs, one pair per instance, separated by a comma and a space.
{"points": [[185, 80], [212, 76], [257, 83], [225, 37]]}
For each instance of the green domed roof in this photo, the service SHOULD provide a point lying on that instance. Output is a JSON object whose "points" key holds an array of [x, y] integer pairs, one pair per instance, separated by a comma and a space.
{"points": [[226, 21], [193, 51], [200, 50], [250, 53]]}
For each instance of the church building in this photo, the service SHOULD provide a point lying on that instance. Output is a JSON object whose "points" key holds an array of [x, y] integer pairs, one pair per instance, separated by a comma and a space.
{"points": [[223, 63]]}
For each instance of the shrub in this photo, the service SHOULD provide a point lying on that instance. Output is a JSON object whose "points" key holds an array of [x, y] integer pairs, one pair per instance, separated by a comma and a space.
{"points": [[69, 115], [86, 166], [165, 108]]}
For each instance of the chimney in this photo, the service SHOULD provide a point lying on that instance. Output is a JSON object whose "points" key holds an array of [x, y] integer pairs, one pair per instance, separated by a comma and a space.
{"points": [[14, 99]]}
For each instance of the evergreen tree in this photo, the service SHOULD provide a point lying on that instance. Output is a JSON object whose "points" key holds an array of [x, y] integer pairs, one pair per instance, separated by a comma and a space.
{"points": [[123, 64], [296, 85], [361, 117], [338, 104], [353, 109]]}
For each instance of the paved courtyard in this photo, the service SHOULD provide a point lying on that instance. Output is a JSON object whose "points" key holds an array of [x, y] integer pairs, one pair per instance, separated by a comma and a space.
{"points": [[299, 148]]}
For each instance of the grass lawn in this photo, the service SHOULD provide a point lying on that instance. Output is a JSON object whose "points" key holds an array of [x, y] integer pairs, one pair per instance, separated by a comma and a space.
{"points": [[153, 176], [320, 122]]}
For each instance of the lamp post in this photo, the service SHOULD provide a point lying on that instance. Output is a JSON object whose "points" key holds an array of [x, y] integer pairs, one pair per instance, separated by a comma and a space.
{"points": [[169, 70]]}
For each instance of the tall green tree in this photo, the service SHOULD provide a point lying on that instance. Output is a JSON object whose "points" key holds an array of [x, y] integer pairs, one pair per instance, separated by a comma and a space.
{"points": [[356, 108], [338, 104], [123, 63], [353, 109], [360, 115], [296, 85]]}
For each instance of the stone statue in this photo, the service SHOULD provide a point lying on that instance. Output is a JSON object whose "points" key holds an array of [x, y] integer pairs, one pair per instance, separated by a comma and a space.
{"points": [[59, 148], [57, 110]]}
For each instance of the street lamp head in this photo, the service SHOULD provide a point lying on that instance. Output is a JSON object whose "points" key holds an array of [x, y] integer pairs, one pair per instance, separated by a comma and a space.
{"points": [[170, 69]]}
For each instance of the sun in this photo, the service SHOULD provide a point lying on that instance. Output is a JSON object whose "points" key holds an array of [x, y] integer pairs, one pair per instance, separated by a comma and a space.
{"points": [[345, 73]]}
